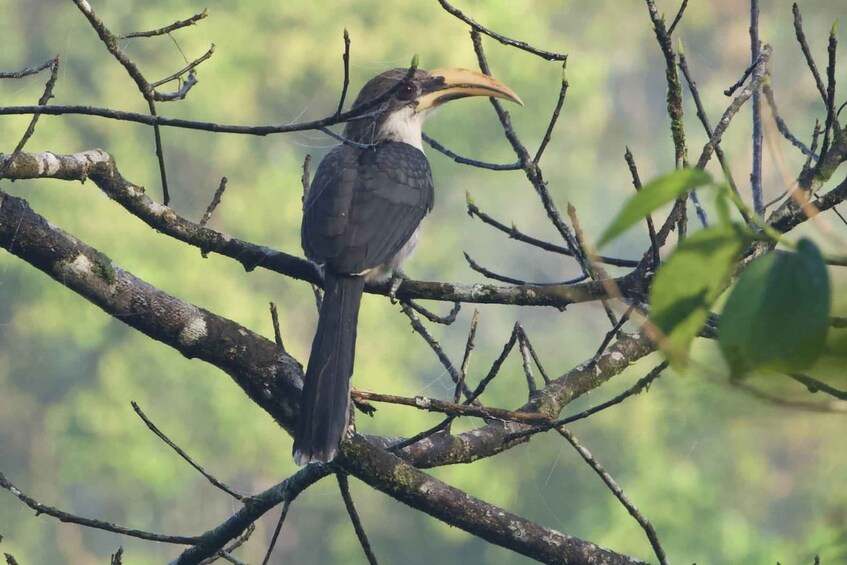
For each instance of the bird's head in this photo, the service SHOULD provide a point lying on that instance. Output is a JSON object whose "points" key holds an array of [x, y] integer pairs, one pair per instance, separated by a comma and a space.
{"points": [[400, 117]]}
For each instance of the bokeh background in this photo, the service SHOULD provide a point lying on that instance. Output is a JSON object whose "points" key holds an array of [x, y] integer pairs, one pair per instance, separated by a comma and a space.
{"points": [[724, 477]]}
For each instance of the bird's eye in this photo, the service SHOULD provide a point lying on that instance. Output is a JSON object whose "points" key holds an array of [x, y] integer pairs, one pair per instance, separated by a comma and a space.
{"points": [[407, 91]]}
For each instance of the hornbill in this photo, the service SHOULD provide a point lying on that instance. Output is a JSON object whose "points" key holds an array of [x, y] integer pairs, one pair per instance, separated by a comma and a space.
{"points": [[361, 219]]}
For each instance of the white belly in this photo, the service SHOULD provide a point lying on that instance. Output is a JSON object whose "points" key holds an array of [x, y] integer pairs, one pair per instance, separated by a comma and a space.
{"points": [[383, 272]]}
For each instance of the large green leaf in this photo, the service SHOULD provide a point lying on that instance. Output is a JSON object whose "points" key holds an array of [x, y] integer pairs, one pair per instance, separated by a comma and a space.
{"points": [[652, 196], [688, 283], [777, 315]]}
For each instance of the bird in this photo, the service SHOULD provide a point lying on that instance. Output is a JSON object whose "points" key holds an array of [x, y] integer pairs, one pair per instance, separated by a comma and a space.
{"points": [[361, 220]]}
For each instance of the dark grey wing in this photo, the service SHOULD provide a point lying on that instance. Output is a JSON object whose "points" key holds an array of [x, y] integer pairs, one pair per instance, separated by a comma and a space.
{"points": [[365, 204]]}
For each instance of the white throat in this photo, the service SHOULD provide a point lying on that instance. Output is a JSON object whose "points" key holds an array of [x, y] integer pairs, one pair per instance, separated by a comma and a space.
{"points": [[404, 126]]}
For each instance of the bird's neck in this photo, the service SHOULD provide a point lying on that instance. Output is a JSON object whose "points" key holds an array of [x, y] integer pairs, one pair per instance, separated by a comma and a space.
{"points": [[403, 125]]}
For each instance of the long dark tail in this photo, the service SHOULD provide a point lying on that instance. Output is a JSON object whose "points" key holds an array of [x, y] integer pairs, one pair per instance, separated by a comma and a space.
{"points": [[326, 392]]}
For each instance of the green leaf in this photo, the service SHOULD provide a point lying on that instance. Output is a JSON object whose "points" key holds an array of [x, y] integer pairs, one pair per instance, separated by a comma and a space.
{"points": [[653, 195], [777, 316], [689, 282]]}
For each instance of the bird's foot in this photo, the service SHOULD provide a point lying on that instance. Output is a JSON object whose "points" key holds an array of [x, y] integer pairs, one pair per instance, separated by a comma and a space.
{"points": [[365, 407], [397, 278]]}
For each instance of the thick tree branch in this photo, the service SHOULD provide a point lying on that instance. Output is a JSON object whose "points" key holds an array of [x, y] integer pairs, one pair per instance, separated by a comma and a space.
{"points": [[101, 168]]}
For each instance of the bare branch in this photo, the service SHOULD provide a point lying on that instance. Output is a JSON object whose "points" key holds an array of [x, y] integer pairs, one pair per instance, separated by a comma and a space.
{"points": [[345, 58], [707, 126], [90, 522], [468, 161], [277, 333], [161, 435], [734, 107], [814, 385], [435, 405], [678, 17], [555, 117], [514, 233], [511, 280], [216, 199], [804, 46], [619, 494], [215, 539], [167, 29], [466, 358], [29, 70], [781, 126], [344, 487], [550, 56], [282, 515], [758, 134], [433, 317]]}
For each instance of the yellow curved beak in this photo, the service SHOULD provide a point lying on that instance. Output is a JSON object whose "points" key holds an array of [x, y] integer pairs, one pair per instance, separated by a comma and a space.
{"points": [[448, 84]]}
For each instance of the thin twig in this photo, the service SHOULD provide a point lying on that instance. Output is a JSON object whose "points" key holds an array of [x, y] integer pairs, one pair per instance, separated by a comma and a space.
{"points": [[758, 134], [636, 183], [831, 126], [495, 367], [434, 345], [400, 445], [283, 513], [511, 280], [435, 318], [740, 82], [92, 523], [216, 199], [707, 126], [277, 333], [514, 233], [29, 70], [186, 69], [345, 59], [161, 435], [466, 358], [467, 160], [596, 271], [534, 355], [678, 17], [555, 117], [346, 141], [527, 362], [804, 46], [619, 494], [548, 55], [781, 126], [814, 385], [180, 94], [611, 334], [452, 409], [226, 553], [674, 93], [641, 385], [734, 107], [167, 29], [344, 487]]}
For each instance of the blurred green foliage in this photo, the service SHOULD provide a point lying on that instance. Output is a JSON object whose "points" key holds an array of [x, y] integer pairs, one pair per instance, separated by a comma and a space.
{"points": [[724, 477]]}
